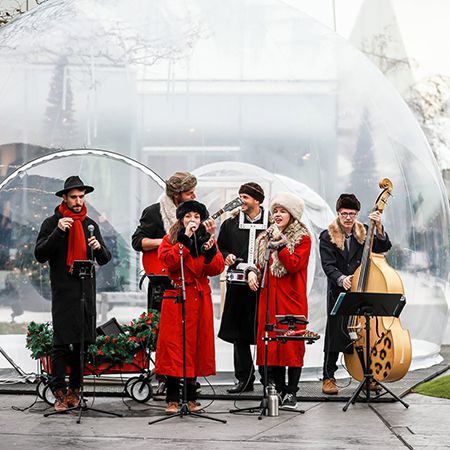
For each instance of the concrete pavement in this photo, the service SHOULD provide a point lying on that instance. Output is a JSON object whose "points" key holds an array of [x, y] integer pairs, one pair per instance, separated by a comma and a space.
{"points": [[424, 424]]}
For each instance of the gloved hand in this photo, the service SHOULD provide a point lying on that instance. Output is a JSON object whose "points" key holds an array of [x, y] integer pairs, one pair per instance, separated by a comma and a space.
{"points": [[277, 243]]}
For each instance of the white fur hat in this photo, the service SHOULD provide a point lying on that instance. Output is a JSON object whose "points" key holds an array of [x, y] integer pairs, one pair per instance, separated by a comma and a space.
{"points": [[293, 203]]}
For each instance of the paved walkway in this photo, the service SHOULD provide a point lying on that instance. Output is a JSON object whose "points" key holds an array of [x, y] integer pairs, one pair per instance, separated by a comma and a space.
{"points": [[424, 424]]}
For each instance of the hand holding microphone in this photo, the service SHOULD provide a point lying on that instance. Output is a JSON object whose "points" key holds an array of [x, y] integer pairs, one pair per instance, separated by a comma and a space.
{"points": [[190, 228], [276, 238], [92, 240]]}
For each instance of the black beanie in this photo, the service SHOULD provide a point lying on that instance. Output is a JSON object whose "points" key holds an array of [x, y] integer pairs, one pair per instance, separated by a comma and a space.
{"points": [[192, 205], [348, 201], [254, 190]]}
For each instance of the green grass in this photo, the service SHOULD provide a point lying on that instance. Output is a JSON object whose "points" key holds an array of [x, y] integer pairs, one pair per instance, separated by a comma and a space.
{"points": [[439, 387]]}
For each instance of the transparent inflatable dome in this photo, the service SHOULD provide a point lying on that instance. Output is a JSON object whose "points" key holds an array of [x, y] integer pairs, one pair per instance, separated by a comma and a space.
{"points": [[234, 91]]}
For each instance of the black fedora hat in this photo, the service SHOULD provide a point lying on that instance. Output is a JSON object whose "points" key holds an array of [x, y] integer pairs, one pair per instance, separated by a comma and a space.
{"points": [[74, 182]]}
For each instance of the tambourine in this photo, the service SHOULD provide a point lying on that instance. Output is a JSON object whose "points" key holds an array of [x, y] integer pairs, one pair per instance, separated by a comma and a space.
{"points": [[236, 276]]}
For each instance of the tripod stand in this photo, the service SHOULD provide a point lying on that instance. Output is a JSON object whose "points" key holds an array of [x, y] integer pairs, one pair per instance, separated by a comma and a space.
{"points": [[184, 409], [84, 269], [369, 305]]}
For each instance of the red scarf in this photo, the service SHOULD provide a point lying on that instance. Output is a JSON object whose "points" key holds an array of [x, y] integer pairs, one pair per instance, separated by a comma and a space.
{"points": [[77, 248]]}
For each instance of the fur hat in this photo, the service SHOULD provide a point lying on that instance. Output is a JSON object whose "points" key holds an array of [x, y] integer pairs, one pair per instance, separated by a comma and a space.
{"points": [[293, 203], [180, 182], [192, 205], [348, 201], [74, 182], [254, 190]]}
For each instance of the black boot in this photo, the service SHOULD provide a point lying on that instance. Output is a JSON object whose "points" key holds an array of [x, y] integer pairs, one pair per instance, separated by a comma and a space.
{"points": [[242, 386]]}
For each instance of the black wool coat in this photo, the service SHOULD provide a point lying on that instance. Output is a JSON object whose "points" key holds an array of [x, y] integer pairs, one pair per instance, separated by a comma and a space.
{"points": [[239, 317], [150, 226], [335, 263], [51, 246]]}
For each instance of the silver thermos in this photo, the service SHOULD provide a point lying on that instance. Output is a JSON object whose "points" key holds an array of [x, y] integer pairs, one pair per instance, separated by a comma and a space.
{"points": [[272, 402]]}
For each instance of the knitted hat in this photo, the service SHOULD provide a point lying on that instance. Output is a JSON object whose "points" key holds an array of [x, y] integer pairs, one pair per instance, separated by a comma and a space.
{"points": [[192, 205], [348, 201], [180, 182], [74, 182], [254, 190], [289, 201]]}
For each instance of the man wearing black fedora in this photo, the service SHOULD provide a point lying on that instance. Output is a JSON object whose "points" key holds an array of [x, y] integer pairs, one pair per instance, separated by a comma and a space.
{"points": [[66, 236], [341, 249]]}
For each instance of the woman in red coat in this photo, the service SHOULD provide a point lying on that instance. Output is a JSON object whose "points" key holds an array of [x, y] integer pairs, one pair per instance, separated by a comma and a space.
{"points": [[285, 288], [200, 260]]}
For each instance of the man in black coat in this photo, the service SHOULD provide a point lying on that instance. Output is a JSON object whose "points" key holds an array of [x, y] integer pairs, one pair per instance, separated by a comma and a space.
{"points": [[238, 326], [69, 235], [156, 221], [341, 248]]}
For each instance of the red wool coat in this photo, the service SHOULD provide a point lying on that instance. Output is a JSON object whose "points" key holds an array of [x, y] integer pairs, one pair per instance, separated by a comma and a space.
{"points": [[287, 295], [200, 353]]}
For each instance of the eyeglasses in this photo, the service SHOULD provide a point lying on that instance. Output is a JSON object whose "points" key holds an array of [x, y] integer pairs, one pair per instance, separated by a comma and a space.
{"points": [[350, 215]]}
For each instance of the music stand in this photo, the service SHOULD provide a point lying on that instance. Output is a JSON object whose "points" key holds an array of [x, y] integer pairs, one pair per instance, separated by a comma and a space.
{"points": [[369, 304], [83, 269]]}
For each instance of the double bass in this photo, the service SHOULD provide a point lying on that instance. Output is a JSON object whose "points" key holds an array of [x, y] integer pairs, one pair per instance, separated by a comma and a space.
{"points": [[390, 343]]}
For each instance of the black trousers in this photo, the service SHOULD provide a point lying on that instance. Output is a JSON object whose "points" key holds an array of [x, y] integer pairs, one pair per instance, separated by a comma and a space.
{"points": [[243, 362], [173, 385], [330, 364], [63, 356], [279, 375]]}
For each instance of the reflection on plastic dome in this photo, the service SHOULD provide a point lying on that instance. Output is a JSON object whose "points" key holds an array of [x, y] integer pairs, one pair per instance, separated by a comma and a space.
{"points": [[185, 84], [28, 197]]}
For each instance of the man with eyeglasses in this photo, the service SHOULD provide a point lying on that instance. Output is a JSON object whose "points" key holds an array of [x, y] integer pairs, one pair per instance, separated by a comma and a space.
{"points": [[341, 248]]}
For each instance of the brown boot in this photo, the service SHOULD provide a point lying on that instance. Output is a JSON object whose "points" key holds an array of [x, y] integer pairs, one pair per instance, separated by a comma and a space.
{"points": [[329, 386], [60, 401], [193, 406], [172, 408], [73, 397]]}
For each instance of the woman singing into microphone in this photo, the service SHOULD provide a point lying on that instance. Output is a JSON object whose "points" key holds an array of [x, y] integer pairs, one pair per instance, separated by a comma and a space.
{"points": [[200, 260], [284, 288]]}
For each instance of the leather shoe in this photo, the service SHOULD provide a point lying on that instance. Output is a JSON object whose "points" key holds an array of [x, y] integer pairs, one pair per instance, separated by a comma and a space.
{"points": [[329, 386], [242, 386], [60, 401]]}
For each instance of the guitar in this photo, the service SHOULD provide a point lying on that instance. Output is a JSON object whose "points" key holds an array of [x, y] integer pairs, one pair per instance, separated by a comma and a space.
{"points": [[150, 259]]}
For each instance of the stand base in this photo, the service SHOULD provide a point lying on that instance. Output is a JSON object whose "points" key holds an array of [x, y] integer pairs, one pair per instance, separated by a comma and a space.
{"points": [[263, 410], [81, 408], [367, 381], [184, 411]]}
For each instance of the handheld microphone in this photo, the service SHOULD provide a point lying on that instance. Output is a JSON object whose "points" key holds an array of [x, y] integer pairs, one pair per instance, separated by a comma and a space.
{"points": [[91, 233], [270, 232]]}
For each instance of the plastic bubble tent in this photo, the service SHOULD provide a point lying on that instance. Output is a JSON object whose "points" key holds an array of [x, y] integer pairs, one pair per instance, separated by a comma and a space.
{"points": [[233, 91]]}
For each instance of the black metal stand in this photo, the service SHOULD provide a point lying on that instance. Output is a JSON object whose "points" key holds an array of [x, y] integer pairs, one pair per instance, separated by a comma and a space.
{"points": [[368, 378], [84, 269], [24, 375], [184, 409], [263, 406]]}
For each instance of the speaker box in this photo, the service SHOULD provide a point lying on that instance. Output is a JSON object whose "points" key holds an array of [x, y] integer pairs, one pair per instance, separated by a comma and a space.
{"points": [[109, 328]]}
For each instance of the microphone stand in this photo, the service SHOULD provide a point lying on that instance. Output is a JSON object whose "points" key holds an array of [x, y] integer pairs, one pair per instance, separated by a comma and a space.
{"points": [[84, 269], [263, 407], [184, 409]]}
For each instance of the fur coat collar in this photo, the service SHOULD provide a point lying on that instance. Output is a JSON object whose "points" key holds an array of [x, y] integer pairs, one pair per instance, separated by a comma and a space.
{"points": [[337, 233], [168, 212], [293, 233]]}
